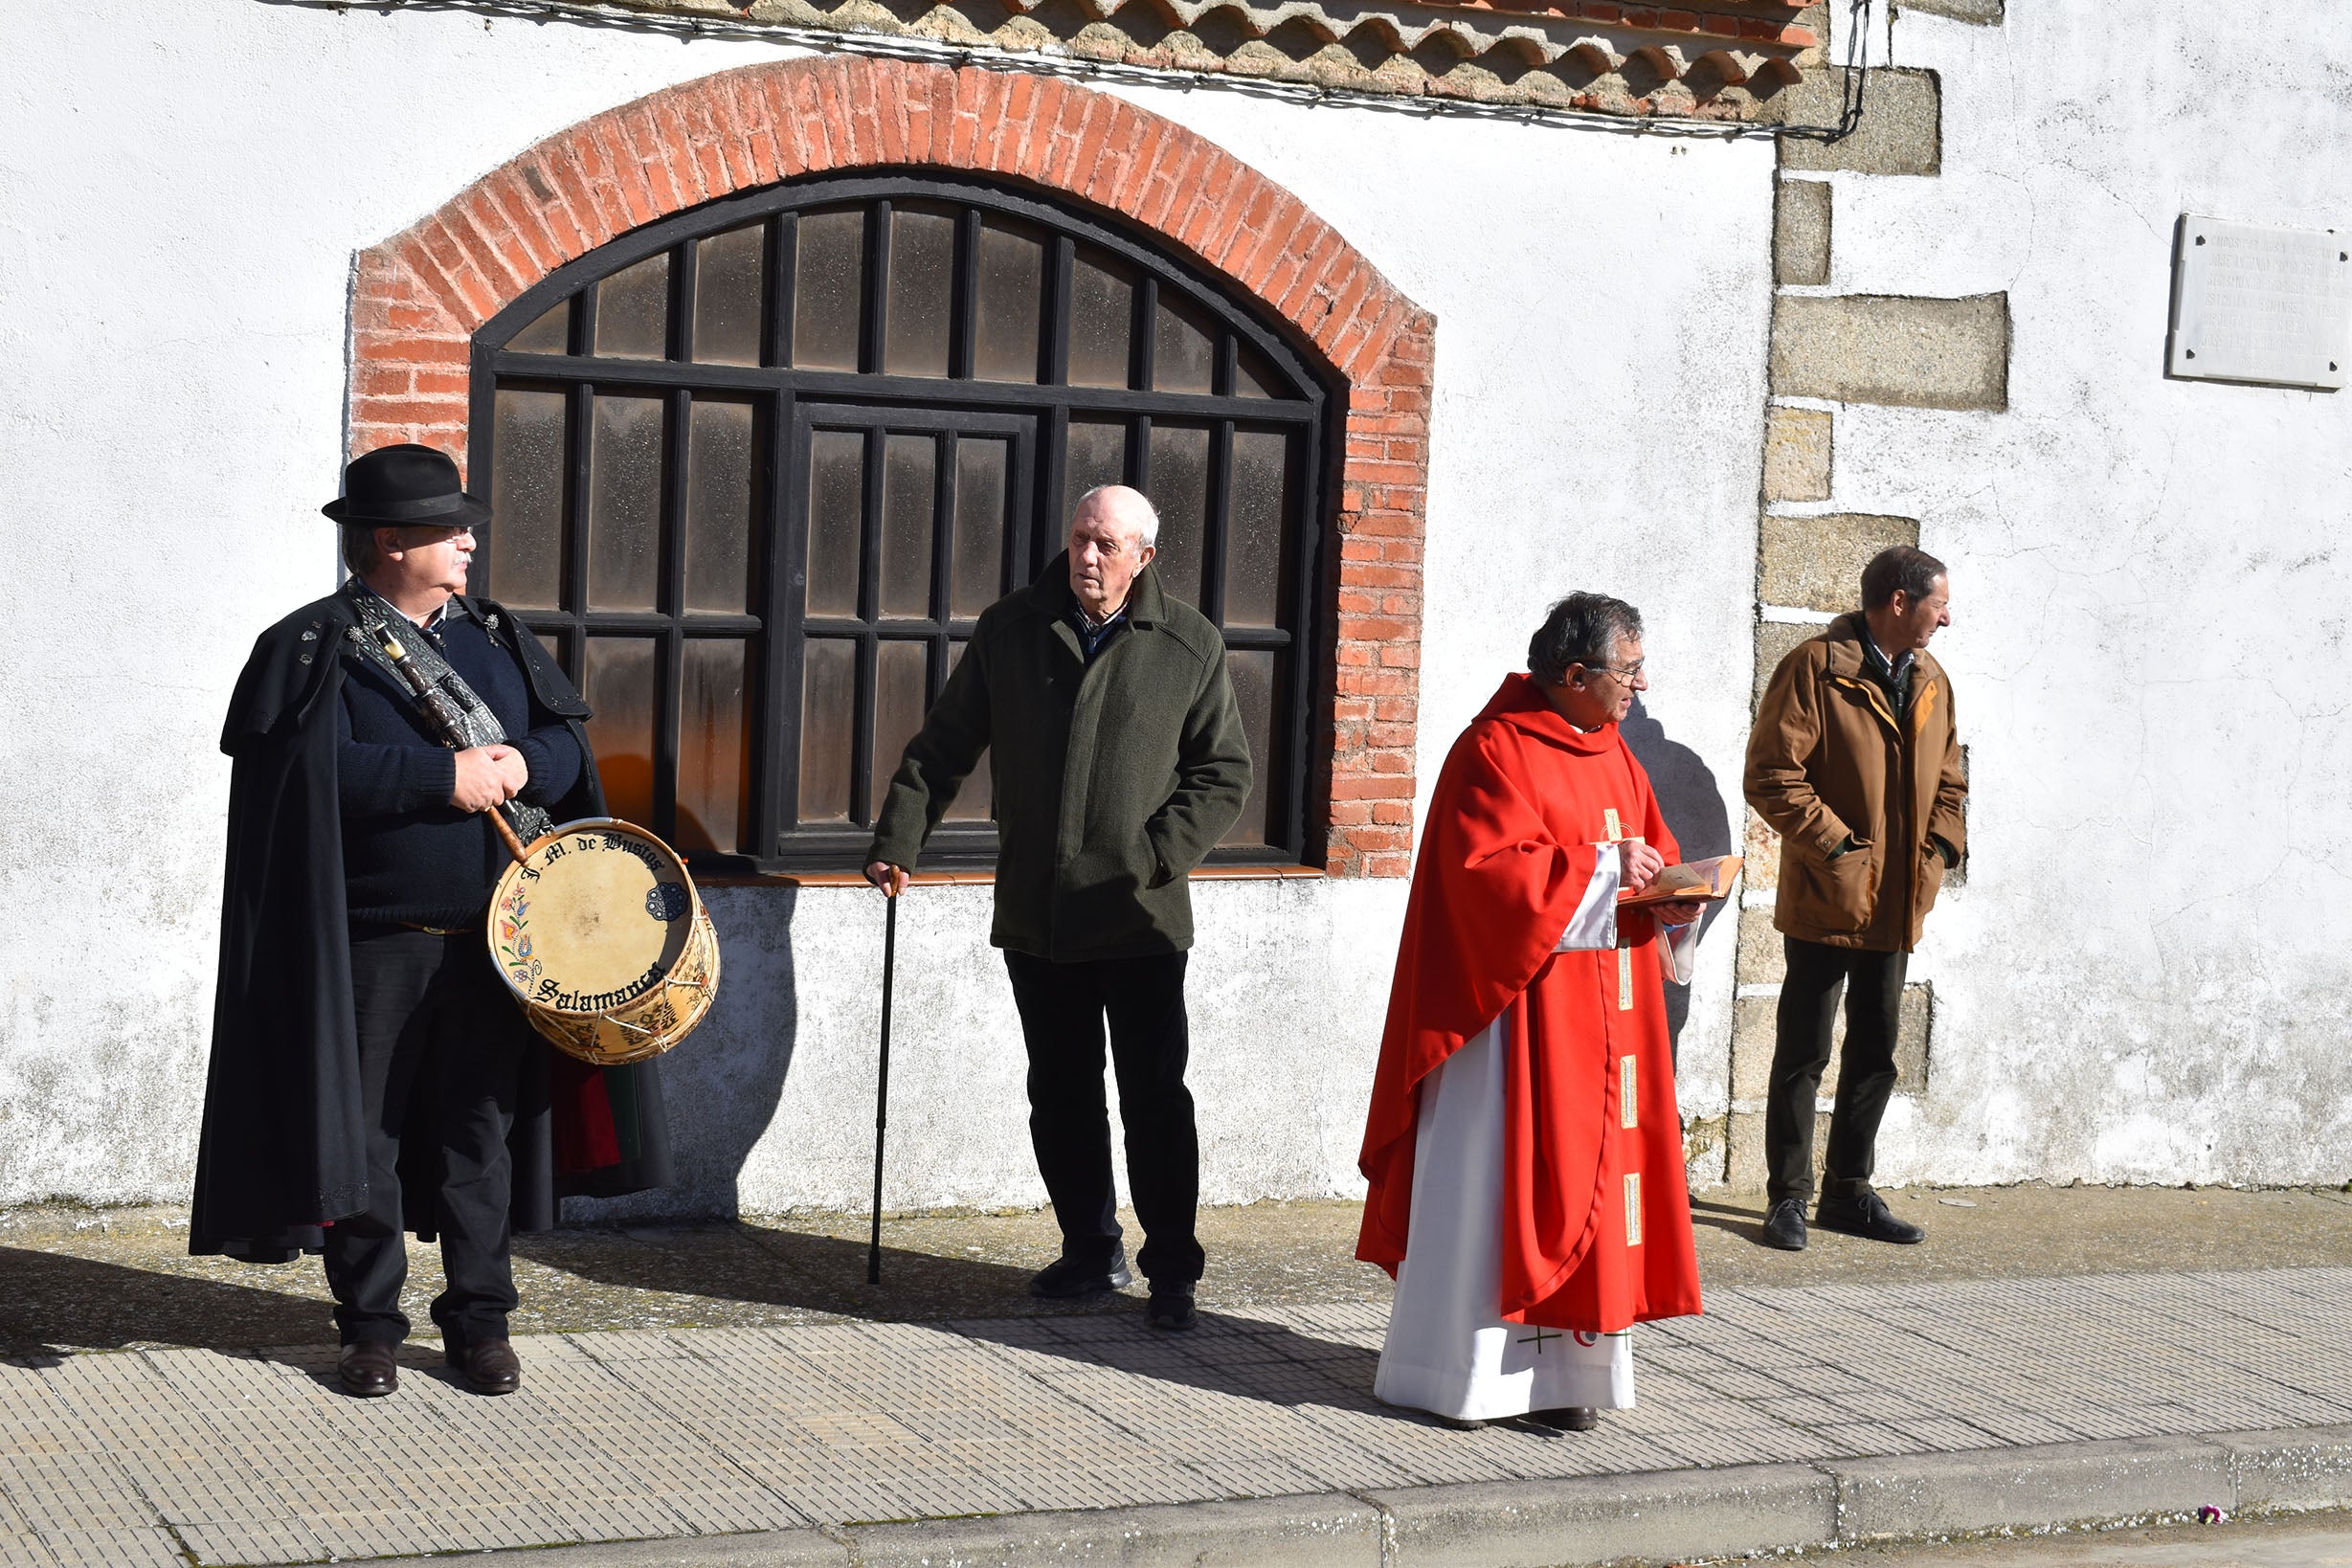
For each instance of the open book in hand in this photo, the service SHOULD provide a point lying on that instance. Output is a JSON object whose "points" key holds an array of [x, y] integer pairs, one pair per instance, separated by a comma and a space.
{"points": [[1699, 881]]}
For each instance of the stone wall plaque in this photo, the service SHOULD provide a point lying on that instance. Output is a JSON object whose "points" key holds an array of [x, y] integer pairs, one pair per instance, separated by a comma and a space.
{"points": [[2253, 302]]}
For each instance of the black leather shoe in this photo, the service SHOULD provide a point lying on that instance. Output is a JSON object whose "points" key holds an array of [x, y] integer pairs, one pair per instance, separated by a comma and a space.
{"points": [[1170, 1309], [368, 1368], [1784, 1226], [1866, 1216], [1568, 1418], [490, 1365], [1066, 1280]]}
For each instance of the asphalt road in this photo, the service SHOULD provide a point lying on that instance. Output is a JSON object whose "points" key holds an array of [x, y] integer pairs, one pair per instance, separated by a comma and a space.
{"points": [[2324, 1541]]}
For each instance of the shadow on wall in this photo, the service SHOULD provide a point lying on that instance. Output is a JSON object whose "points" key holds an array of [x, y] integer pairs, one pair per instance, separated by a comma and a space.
{"points": [[723, 1084], [1694, 810]]}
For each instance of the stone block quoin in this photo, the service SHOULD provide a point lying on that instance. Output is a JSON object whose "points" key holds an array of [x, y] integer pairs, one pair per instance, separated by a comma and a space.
{"points": [[420, 295]]}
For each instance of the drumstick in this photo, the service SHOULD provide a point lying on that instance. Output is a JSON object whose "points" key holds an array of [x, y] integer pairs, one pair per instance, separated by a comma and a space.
{"points": [[881, 1087]]}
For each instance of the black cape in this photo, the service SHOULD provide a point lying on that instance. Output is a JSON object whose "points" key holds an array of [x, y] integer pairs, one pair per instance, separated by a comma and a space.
{"points": [[282, 1152]]}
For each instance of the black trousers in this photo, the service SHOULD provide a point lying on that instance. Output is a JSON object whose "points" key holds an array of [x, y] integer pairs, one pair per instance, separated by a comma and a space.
{"points": [[1873, 986], [440, 1055], [1062, 1010]]}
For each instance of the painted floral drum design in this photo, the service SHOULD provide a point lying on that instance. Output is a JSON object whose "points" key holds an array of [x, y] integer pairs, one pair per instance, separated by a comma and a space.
{"points": [[603, 939]]}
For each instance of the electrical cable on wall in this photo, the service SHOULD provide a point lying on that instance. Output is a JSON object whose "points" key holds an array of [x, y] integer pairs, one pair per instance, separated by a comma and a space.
{"points": [[588, 13]]}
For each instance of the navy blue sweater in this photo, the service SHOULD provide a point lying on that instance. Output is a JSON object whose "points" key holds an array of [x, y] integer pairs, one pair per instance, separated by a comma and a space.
{"points": [[409, 857]]}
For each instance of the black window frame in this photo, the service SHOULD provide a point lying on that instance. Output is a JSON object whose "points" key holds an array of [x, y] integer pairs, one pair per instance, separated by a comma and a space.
{"points": [[772, 631]]}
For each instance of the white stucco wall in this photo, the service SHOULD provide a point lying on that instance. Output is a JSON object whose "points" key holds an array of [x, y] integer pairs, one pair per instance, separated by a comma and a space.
{"points": [[181, 194], [2143, 979]]}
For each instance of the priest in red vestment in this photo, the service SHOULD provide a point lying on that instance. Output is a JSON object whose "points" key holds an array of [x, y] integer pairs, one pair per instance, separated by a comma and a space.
{"points": [[1523, 1148]]}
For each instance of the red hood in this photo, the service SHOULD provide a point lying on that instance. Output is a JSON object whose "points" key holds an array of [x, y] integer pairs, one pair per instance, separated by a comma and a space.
{"points": [[1520, 703]]}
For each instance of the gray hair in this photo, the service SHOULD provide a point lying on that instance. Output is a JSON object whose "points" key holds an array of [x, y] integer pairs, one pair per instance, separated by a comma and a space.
{"points": [[359, 551], [1582, 629], [1899, 569], [1151, 513]]}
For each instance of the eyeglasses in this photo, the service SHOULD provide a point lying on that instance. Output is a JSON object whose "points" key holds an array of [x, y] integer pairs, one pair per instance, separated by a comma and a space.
{"points": [[1625, 677]]}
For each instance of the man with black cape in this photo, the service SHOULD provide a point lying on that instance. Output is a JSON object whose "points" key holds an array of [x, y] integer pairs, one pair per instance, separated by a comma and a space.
{"points": [[370, 1071]]}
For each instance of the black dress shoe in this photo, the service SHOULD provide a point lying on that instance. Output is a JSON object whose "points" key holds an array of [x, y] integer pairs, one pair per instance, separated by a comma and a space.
{"points": [[1065, 1279], [490, 1365], [1170, 1309], [368, 1368], [1784, 1226], [1866, 1216], [1568, 1418]]}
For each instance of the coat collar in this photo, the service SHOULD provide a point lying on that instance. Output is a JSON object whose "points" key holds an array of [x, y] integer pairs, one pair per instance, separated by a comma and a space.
{"points": [[1050, 594], [1844, 635]]}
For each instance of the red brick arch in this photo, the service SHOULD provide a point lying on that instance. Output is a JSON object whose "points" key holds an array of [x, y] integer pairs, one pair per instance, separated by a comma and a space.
{"points": [[420, 295]]}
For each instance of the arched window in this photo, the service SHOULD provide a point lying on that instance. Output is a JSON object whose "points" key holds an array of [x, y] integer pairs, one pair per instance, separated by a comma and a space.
{"points": [[757, 468]]}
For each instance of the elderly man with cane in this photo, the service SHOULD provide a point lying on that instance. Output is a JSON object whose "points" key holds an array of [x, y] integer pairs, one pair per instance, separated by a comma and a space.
{"points": [[1118, 761]]}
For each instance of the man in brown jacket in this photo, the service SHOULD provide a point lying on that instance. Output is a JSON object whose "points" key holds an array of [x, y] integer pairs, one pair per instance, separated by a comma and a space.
{"points": [[1856, 762]]}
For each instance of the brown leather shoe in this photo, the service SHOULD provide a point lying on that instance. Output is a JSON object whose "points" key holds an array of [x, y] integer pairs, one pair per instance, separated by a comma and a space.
{"points": [[490, 1366], [368, 1368]]}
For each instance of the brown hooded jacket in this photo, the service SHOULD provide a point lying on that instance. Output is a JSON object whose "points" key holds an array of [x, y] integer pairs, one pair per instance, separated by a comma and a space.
{"points": [[1830, 761]]}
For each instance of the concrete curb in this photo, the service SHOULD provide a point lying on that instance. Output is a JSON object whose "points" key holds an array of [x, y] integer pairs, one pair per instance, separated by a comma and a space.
{"points": [[1658, 1517]]}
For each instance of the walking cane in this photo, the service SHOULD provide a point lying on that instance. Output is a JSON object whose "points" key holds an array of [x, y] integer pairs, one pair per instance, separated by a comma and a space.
{"points": [[881, 1087]]}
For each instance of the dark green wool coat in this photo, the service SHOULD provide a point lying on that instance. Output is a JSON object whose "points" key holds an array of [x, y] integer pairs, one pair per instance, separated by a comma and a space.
{"points": [[1113, 779]]}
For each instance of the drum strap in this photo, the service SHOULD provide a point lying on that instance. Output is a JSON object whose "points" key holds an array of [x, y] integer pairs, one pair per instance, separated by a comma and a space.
{"points": [[474, 718]]}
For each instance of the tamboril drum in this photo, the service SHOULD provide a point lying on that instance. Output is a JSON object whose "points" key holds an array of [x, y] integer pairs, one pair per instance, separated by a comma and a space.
{"points": [[601, 936]]}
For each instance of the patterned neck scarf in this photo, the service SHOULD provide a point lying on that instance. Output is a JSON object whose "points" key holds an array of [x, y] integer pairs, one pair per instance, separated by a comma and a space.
{"points": [[460, 707]]}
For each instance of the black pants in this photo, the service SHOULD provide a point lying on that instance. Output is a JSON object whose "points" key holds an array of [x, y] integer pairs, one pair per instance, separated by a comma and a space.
{"points": [[1873, 985], [440, 1053], [1062, 1008]]}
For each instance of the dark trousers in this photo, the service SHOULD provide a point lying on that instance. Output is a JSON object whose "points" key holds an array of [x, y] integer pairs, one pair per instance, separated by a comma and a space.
{"points": [[1873, 986], [1062, 1009], [440, 1054]]}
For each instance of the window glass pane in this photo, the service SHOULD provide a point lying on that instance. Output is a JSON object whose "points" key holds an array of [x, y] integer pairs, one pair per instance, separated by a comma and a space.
{"points": [[1102, 319], [983, 471], [719, 505], [1253, 692], [921, 269], [633, 311], [727, 273], [1096, 455], [897, 708], [976, 801], [828, 718], [1255, 537], [1012, 291], [526, 498], [1181, 495], [828, 285], [837, 505], [1184, 346], [550, 334], [909, 487], [624, 502], [1253, 377], [713, 763], [621, 688]]}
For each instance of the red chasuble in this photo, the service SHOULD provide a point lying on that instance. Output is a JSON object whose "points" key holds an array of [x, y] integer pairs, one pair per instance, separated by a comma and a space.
{"points": [[1595, 1217]]}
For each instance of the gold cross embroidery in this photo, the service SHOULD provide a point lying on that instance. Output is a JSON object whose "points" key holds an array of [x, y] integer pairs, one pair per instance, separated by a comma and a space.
{"points": [[1628, 1108], [1625, 980], [1633, 1208]]}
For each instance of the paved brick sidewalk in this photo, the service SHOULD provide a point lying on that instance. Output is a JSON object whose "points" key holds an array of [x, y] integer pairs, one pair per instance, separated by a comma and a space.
{"points": [[161, 1455]]}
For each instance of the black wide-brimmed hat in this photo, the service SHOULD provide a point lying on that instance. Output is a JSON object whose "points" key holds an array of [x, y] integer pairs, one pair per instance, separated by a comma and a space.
{"points": [[406, 485]]}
